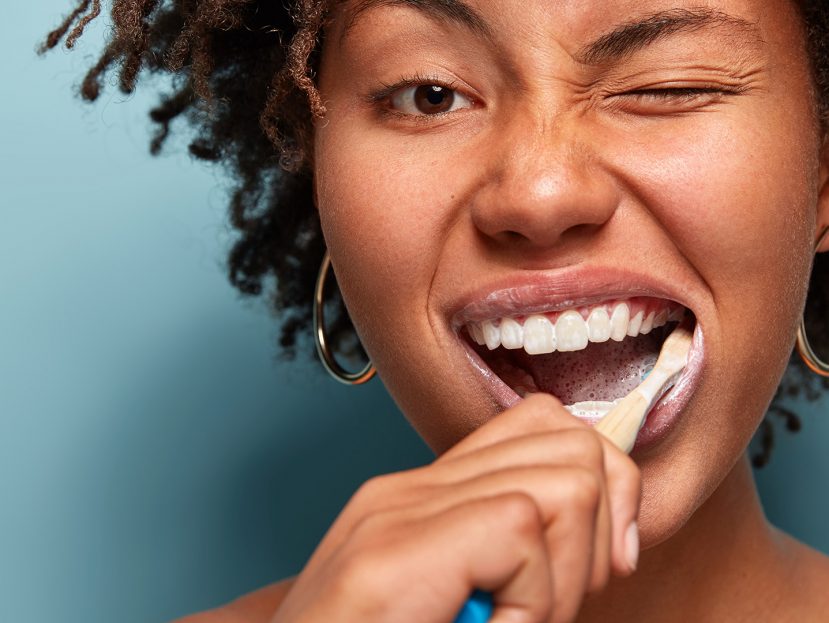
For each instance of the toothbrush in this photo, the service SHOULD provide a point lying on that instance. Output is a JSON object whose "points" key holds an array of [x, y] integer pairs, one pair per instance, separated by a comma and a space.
{"points": [[624, 421], [620, 425]]}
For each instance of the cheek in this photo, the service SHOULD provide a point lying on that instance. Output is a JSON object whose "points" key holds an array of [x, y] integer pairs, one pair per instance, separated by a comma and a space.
{"points": [[737, 201], [736, 197], [383, 214]]}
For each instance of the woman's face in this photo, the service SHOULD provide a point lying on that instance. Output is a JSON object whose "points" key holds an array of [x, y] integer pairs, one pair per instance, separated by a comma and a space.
{"points": [[554, 156]]}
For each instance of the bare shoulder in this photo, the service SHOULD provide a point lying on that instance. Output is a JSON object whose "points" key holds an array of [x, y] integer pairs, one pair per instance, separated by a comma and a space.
{"points": [[812, 565], [808, 577], [256, 607]]}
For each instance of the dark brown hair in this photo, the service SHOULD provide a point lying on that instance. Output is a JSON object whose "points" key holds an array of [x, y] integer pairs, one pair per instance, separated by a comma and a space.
{"points": [[243, 78]]}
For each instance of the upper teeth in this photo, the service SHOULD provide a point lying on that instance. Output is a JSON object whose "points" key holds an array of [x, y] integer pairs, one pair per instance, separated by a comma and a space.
{"points": [[572, 330]]}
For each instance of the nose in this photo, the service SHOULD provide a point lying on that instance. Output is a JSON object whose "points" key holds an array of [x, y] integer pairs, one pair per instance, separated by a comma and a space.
{"points": [[542, 183]]}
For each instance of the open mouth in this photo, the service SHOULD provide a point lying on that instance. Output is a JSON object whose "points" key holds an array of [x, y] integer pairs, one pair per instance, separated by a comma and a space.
{"points": [[588, 357]]}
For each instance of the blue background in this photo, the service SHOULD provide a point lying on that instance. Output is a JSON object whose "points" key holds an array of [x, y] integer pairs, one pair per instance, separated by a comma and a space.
{"points": [[155, 456]]}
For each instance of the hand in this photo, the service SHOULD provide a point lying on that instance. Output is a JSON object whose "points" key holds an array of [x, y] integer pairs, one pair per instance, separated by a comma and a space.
{"points": [[534, 506]]}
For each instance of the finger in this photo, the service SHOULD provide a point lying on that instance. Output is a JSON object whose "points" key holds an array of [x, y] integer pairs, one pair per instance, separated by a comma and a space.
{"points": [[602, 559], [494, 544], [624, 486], [534, 414], [506, 555], [541, 413], [573, 510], [573, 540], [574, 446], [578, 447]]}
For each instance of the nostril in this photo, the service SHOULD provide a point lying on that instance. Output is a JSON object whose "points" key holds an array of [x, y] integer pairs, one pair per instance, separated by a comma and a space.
{"points": [[513, 236]]}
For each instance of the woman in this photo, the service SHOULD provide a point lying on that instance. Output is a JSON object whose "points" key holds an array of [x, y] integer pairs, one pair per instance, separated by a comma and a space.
{"points": [[478, 169]]}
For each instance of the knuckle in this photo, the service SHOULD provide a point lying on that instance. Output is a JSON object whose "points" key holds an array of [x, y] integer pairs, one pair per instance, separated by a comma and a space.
{"points": [[353, 569], [589, 445], [379, 531], [585, 489], [520, 512], [374, 543], [357, 574]]}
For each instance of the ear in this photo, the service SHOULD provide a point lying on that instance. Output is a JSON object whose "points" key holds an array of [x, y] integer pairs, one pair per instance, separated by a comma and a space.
{"points": [[823, 197]]}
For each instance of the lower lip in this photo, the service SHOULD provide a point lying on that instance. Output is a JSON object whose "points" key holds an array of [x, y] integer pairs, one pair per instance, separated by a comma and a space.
{"points": [[661, 418]]}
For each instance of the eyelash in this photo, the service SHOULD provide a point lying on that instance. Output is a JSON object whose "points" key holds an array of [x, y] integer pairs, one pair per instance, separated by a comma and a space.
{"points": [[386, 90], [380, 97], [680, 93]]}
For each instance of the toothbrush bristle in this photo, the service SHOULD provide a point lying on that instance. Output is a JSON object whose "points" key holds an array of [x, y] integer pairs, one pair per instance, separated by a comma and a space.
{"points": [[622, 423]]}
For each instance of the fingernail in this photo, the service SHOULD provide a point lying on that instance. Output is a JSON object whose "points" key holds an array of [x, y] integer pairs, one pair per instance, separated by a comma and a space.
{"points": [[632, 545]]}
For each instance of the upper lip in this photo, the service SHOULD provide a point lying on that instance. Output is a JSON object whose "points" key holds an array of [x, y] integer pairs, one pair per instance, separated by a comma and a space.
{"points": [[542, 291]]}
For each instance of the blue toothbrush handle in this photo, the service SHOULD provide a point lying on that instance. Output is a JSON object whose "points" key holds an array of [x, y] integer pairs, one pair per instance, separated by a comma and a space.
{"points": [[477, 609]]}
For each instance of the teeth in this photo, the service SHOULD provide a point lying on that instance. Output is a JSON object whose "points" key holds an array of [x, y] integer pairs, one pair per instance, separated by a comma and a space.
{"points": [[635, 324], [476, 333], [619, 321], [661, 319], [539, 335], [492, 336], [647, 324], [512, 334], [571, 332], [598, 325]]}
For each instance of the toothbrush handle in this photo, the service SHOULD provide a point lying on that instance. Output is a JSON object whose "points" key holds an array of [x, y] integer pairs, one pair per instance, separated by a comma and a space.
{"points": [[477, 609]]}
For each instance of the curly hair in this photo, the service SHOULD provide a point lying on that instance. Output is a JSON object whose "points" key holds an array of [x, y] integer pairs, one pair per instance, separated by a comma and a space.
{"points": [[243, 77]]}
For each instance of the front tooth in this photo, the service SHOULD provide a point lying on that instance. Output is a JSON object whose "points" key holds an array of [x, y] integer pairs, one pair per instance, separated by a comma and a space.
{"points": [[539, 335], [598, 325], [636, 324], [492, 335], [571, 332], [647, 324], [619, 321], [512, 334]]}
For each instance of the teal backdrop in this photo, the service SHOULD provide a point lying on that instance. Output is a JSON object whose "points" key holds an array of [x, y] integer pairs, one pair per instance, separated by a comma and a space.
{"points": [[156, 457]]}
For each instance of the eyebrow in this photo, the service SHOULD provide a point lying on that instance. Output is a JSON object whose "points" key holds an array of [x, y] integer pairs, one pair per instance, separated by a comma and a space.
{"points": [[637, 34], [622, 41]]}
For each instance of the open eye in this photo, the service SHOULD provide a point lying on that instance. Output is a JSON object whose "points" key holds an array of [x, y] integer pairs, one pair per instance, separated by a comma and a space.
{"points": [[428, 99]]}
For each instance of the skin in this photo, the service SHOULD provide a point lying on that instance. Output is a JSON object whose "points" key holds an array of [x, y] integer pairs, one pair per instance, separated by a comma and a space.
{"points": [[556, 165]]}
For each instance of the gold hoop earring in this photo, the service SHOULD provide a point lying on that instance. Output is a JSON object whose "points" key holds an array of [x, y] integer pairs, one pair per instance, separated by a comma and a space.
{"points": [[804, 349], [325, 354]]}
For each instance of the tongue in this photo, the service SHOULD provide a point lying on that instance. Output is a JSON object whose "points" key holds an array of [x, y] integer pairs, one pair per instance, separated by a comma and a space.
{"points": [[601, 372]]}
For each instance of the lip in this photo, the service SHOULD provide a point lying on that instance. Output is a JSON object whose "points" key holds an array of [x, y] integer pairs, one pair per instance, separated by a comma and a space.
{"points": [[564, 290], [552, 292]]}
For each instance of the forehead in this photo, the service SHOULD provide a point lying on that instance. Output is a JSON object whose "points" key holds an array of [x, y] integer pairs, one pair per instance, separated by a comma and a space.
{"points": [[580, 20]]}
